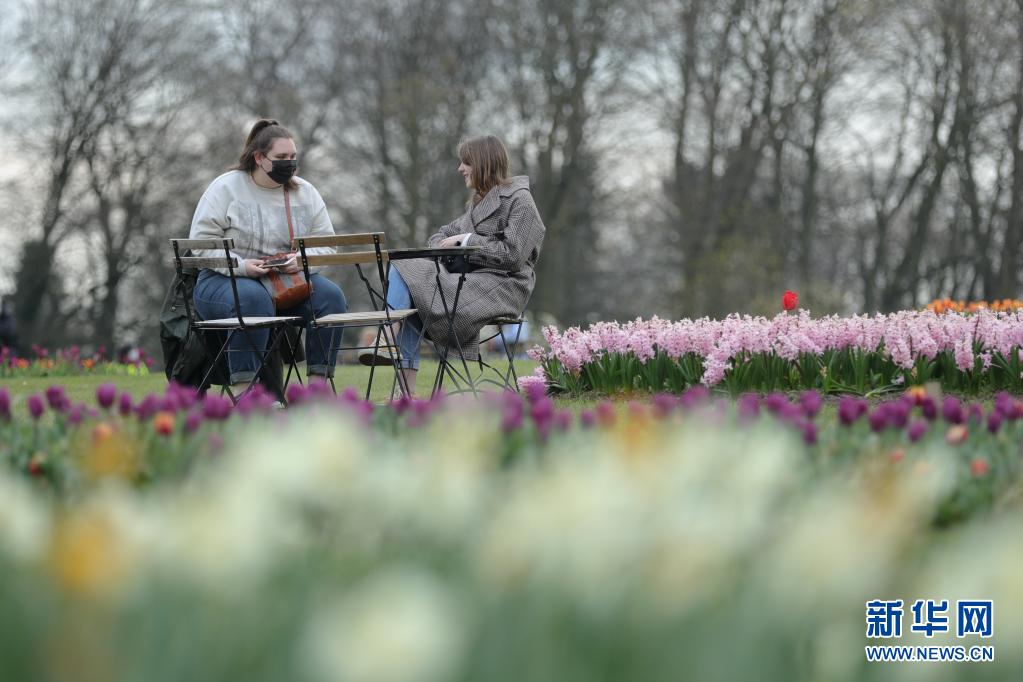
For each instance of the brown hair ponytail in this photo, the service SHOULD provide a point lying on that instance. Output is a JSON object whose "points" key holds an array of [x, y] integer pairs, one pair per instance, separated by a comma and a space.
{"points": [[261, 139]]}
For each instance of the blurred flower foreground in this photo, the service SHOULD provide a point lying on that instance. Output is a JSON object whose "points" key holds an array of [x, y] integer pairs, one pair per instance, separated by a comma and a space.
{"points": [[462, 541]]}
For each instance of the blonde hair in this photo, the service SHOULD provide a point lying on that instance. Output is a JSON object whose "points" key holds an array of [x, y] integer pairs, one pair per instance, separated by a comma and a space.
{"points": [[487, 157]]}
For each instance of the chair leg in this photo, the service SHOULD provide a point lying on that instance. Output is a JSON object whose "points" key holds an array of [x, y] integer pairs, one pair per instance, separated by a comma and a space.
{"points": [[373, 366], [391, 338], [293, 364], [216, 359], [264, 355], [326, 354], [511, 357]]}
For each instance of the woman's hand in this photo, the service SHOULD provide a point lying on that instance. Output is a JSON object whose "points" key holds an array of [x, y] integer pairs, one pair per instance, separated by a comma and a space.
{"points": [[455, 240], [292, 267], [254, 268]]}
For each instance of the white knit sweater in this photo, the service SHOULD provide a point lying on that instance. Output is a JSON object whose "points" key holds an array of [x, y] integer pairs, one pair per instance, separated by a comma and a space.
{"points": [[234, 206]]}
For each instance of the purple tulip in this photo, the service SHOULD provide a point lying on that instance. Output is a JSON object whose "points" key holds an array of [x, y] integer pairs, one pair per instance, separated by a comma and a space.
{"points": [[605, 411], [511, 418], [917, 429], [320, 388], [216, 408], [952, 410], [776, 402], [811, 403], [349, 395], [664, 404], [748, 407], [57, 398], [256, 400], [898, 413], [401, 405], [193, 422], [124, 404], [421, 410], [1005, 405], [563, 420], [296, 394], [929, 408], [76, 415], [587, 419], [976, 413], [878, 419], [535, 391], [695, 396], [149, 406], [809, 432], [792, 414], [364, 411], [542, 411], [36, 406], [5, 404], [994, 421], [105, 395], [850, 410]]}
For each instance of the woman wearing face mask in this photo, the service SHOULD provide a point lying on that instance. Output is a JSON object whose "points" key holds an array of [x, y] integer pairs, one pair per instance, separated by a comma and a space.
{"points": [[249, 204], [501, 218]]}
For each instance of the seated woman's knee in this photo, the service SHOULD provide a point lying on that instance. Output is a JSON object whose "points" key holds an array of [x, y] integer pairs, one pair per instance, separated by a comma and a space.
{"points": [[254, 299], [328, 298]]}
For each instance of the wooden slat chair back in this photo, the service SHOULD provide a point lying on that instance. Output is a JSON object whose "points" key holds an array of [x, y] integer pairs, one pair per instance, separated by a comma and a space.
{"points": [[381, 317]]}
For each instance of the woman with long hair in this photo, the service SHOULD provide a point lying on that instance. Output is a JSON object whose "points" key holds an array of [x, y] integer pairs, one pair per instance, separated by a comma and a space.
{"points": [[251, 204], [501, 218]]}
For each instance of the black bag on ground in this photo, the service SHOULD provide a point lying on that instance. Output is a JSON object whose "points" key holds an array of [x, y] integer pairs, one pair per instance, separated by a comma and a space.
{"points": [[186, 358]]}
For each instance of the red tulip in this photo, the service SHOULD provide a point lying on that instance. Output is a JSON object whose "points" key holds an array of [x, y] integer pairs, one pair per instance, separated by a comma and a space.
{"points": [[163, 422], [790, 300], [979, 467]]}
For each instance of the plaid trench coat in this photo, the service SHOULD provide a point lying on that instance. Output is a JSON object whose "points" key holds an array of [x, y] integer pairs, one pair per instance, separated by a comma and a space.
{"points": [[508, 228]]}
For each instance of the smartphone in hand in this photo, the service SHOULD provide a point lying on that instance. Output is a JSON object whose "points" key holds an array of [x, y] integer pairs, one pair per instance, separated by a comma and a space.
{"points": [[280, 262]]}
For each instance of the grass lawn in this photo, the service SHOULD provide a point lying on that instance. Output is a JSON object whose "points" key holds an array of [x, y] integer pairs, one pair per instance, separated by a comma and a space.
{"points": [[83, 388]]}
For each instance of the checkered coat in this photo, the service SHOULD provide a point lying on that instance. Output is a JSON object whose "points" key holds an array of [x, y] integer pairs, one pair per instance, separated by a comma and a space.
{"points": [[508, 228]]}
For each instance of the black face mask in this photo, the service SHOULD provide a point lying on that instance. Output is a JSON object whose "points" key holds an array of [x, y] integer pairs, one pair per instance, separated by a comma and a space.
{"points": [[283, 170]]}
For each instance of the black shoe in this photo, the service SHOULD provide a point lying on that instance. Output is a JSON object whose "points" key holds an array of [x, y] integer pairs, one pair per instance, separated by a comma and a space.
{"points": [[380, 358]]}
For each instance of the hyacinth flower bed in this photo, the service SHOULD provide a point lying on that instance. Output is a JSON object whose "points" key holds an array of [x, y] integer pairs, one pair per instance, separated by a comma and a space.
{"points": [[70, 362], [964, 353], [167, 537]]}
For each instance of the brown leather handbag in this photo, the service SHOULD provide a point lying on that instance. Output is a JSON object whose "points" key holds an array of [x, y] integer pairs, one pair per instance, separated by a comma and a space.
{"points": [[287, 290]]}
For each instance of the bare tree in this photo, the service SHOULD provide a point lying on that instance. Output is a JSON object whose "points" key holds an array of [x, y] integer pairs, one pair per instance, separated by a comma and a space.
{"points": [[91, 63], [559, 65]]}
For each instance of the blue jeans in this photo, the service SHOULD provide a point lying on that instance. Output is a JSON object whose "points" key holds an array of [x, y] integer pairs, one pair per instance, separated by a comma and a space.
{"points": [[214, 300], [398, 298]]}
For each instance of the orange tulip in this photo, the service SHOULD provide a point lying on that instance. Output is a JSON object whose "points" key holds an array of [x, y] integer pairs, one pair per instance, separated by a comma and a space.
{"points": [[979, 467], [163, 422]]}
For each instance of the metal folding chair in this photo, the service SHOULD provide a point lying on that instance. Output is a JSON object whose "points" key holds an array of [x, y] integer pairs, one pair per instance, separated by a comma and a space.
{"points": [[508, 378], [381, 317], [465, 381], [230, 326]]}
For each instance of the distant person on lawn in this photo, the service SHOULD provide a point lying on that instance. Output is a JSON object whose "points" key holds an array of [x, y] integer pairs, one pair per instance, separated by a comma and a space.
{"points": [[247, 204], [8, 327]]}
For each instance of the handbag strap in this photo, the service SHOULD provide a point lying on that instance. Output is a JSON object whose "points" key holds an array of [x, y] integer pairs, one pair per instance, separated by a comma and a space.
{"points": [[297, 278], [287, 211]]}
